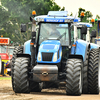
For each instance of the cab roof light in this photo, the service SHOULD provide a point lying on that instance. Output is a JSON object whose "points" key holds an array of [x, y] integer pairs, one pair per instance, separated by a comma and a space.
{"points": [[57, 13], [82, 14], [96, 20], [92, 20], [75, 20], [33, 12]]}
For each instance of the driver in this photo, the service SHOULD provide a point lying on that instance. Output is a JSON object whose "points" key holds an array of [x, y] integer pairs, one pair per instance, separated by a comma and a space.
{"points": [[54, 31]]}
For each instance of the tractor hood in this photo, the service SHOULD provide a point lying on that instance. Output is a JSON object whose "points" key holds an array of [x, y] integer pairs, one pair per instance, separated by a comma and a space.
{"points": [[49, 46], [49, 52]]}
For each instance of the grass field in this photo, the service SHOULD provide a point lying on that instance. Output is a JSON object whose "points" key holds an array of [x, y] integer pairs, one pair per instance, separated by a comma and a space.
{"points": [[5, 78]]}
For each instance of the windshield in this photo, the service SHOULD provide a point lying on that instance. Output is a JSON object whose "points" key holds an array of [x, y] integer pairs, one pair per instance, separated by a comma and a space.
{"points": [[3, 49], [54, 31], [6, 49], [10, 51]]}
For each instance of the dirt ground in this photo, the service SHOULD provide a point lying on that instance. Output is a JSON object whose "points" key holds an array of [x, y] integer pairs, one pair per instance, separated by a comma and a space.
{"points": [[6, 93]]}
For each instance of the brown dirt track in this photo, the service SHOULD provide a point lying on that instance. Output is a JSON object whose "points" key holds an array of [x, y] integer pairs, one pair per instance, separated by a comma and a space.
{"points": [[6, 93]]}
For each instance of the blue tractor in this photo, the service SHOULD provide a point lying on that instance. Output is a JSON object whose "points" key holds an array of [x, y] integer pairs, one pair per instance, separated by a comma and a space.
{"points": [[82, 32], [55, 58]]}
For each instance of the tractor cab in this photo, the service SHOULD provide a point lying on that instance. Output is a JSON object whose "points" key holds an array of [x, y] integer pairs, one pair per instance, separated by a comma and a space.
{"points": [[82, 31], [54, 35]]}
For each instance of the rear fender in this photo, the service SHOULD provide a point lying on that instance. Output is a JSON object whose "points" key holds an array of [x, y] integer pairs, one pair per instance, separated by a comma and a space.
{"points": [[81, 48]]}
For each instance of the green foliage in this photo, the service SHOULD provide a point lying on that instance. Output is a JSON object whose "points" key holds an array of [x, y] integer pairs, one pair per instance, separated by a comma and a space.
{"points": [[71, 14], [87, 18], [87, 15], [97, 17], [15, 12]]}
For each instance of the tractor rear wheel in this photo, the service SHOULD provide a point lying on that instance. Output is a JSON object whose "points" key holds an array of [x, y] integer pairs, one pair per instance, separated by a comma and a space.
{"points": [[74, 76], [93, 71], [85, 72], [17, 50], [21, 75]]}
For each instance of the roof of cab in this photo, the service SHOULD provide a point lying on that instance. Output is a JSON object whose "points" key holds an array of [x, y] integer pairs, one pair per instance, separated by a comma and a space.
{"points": [[57, 16], [86, 24]]}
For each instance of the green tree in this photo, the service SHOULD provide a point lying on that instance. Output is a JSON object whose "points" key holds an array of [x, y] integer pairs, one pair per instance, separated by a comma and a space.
{"points": [[19, 12], [97, 17], [87, 15], [95, 27], [71, 14], [80, 10]]}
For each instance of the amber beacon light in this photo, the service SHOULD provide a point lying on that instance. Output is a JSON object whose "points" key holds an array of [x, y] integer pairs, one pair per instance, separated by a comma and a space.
{"points": [[92, 21], [82, 14], [33, 12]]}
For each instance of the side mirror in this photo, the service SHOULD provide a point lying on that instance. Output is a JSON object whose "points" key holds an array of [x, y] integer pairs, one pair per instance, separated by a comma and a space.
{"points": [[23, 27], [84, 30], [93, 34]]}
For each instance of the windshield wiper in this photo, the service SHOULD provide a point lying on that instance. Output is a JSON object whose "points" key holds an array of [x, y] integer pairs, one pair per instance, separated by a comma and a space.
{"points": [[61, 36]]}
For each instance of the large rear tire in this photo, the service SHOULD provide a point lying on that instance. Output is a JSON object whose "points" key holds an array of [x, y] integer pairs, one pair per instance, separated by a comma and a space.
{"points": [[93, 71], [17, 50], [74, 77], [85, 77], [20, 75]]}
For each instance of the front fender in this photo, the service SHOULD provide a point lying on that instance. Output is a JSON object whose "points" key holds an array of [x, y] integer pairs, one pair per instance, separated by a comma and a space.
{"points": [[27, 47]]}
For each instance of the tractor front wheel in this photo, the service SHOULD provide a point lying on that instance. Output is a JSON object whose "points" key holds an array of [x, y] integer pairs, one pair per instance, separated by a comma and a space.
{"points": [[21, 81], [74, 76]]}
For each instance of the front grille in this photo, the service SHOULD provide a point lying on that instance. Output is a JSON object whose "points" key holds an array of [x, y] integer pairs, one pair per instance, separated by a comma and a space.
{"points": [[47, 56]]}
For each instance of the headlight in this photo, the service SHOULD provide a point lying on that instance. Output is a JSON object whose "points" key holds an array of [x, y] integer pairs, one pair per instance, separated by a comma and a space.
{"points": [[39, 56], [55, 57], [61, 53]]}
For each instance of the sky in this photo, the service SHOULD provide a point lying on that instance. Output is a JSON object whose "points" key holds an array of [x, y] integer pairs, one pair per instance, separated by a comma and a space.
{"points": [[73, 6]]}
